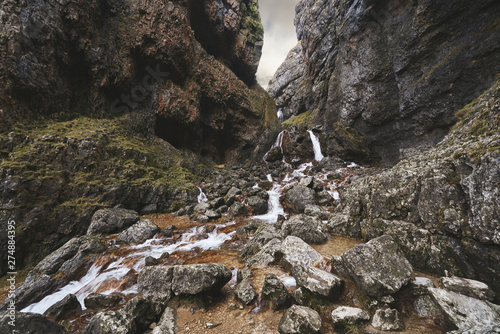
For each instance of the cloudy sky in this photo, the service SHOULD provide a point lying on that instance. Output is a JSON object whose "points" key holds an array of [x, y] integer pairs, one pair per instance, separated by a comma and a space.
{"points": [[279, 35]]}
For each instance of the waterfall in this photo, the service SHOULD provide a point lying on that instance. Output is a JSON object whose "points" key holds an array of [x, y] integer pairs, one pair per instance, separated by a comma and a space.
{"points": [[318, 156], [202, 197], [280, 115], [277, 143]]}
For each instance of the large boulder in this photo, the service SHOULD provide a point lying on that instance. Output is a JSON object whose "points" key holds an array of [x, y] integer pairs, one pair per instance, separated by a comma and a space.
{"points": [[100, 301], [387, 319], [108, 221], [161, 282], [298, 197], [348, 315], [378, 267], [139, 232], [245, 292], [270, 253], [299, 320], [318, 281], [310, 229], [468, 314], [258, 204], [27, 323], [297, 252], [263, 235]]}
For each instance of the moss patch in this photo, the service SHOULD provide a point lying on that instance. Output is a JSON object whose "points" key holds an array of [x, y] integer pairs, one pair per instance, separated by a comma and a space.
{"points": [[299, 120]]}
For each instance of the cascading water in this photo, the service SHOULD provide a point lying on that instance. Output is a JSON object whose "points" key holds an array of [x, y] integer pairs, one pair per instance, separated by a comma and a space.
{"points": [[277, 143], [274, 206], [318, 156], [280, 115], [202, 197]]}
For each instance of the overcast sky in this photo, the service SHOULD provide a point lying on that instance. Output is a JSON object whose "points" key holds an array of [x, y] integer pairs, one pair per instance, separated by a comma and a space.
{"points": [[279, 36]]}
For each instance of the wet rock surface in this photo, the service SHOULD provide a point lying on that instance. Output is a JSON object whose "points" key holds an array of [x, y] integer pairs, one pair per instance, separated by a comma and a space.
{"points": [[62, 308], [29, 323], [299, 319], [109, 221], [138, 232]]}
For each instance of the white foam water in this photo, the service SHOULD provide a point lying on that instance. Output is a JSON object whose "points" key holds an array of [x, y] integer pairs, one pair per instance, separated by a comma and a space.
{"points": [[318, 156], [277, 143], [202, 197]]}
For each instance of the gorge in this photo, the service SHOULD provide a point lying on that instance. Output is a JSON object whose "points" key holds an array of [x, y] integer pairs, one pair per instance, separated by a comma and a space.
{"points": [[149, 184]]}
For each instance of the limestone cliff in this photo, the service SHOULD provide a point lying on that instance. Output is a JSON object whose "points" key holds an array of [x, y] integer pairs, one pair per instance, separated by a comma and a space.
{"points": [[393, 72], [442, 206]]}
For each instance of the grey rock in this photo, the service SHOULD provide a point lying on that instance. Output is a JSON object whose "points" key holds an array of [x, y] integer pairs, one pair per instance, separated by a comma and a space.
{"points": [[270, 253], [420, 286], [202, 207], [299, 320], [276, 292], [468, 287], [63, 307], [348, 315], [108, 221], [150, 261], [263, 235], [388, 320], [211, 214], [245, 292], [100, 301], [378, 267], [244, 273], [28, 323], [169, 231], [139, 232], [143, 311], [167, 323], [258, 204], [238, 209], [199, 278], [340, 224], [297, 198], [468, 314], [310, 229], [231, 195], [217, 202], [424, 306], [159, 283], [149, 209], [317, 211], [318, 281], [297, 252], [111, 322]]}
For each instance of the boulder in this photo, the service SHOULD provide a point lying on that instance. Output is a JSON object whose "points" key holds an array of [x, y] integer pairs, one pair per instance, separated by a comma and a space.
{"points": [[297, 252], [420, 286], [299, 320], [231, 194], [62, 308], [160, 282], [167, 323], [143, 311], [202, 207], [468, 287], [270, 253], [211, 214], [424, 306], [276, 292], [244, 273], [139, 232], [27, 323], [245, 292], [100, 301], [468, 314], [263, 235], [317, 211], [387, 320], [199, 278], [298, 197], [258, 204], [378, 267], [318, 281], [238, 209], [310, 229], [108, 221], [348, 315], [111, 322]]}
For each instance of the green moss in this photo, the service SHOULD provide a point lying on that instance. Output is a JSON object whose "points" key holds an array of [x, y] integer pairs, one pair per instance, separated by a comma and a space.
{"points": [[299, 120]]}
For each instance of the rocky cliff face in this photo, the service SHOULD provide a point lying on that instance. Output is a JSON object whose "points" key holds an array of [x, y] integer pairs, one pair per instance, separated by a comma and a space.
{"points": [[155, 58], [103, 103], [442, 207], [392, 71]]}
